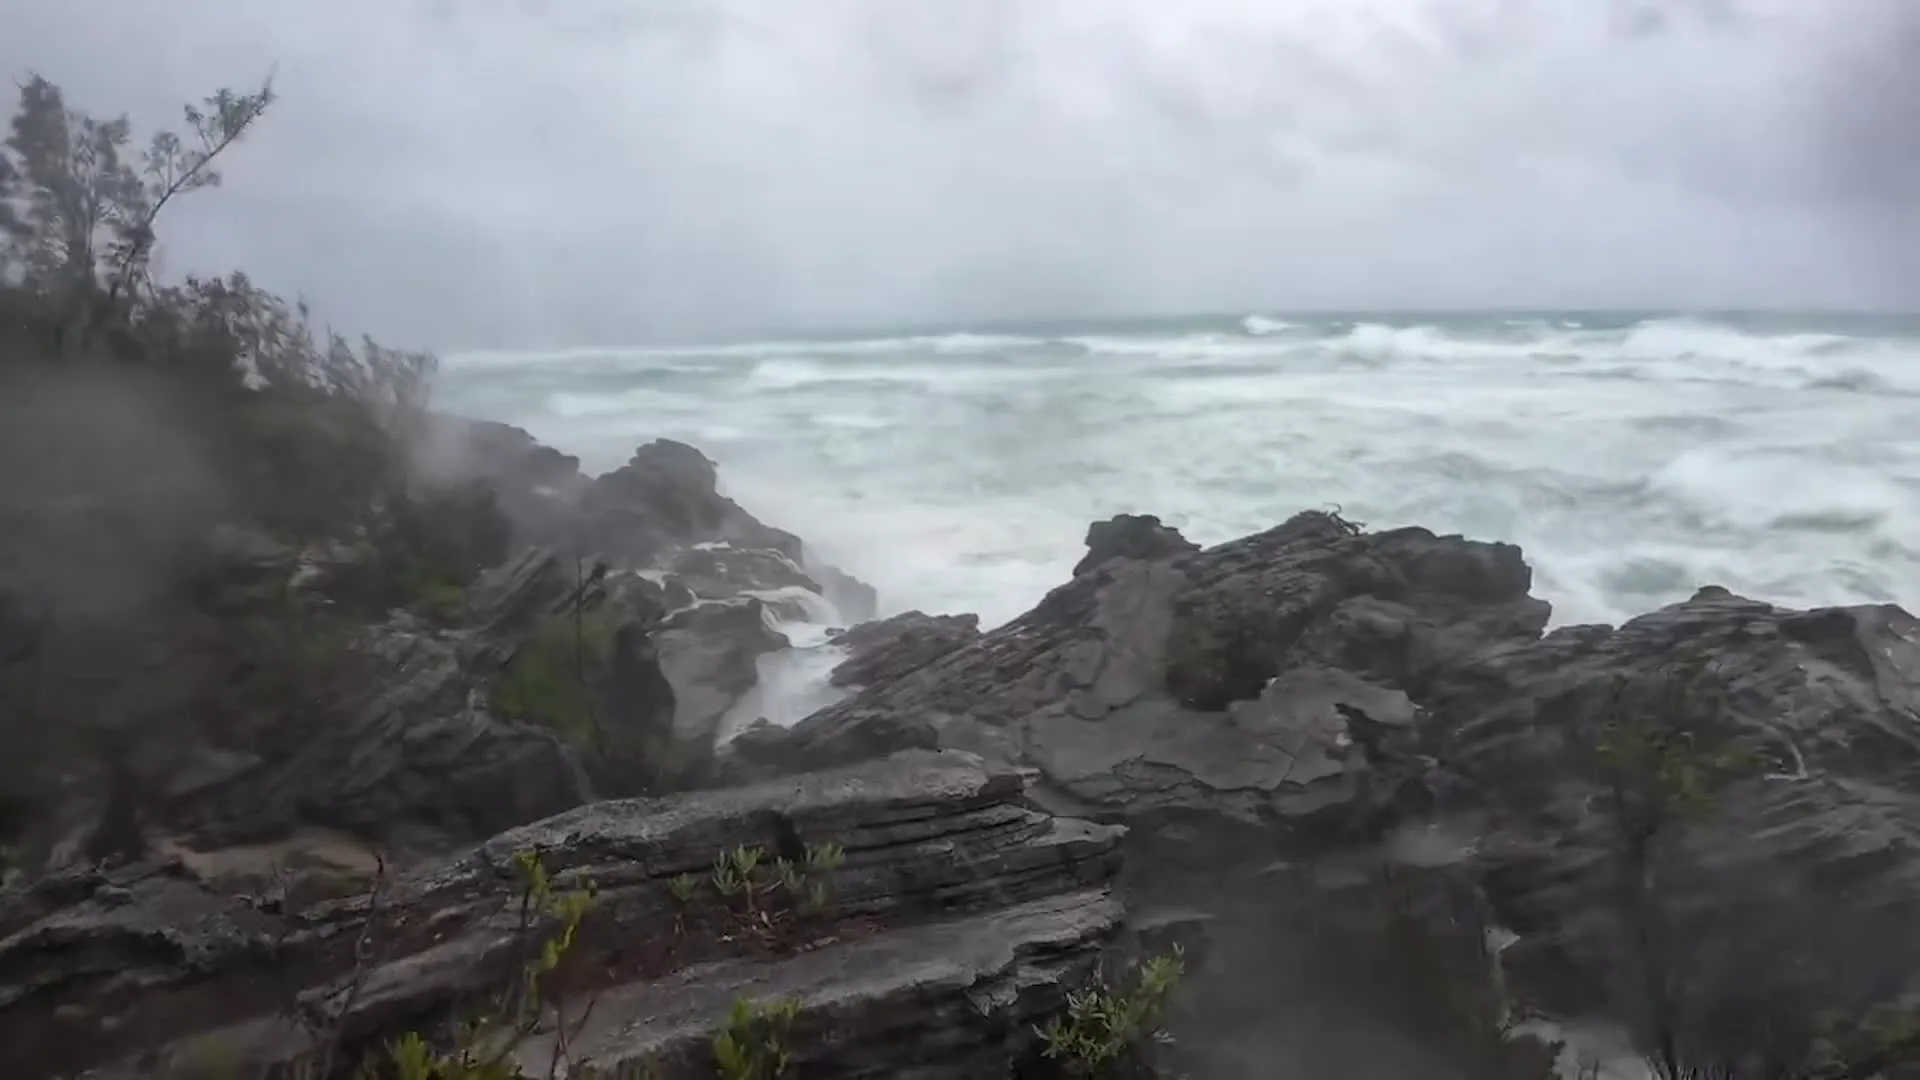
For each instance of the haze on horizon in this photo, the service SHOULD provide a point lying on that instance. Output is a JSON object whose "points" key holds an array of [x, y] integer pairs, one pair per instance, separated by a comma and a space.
{"points": [[499, 173]]}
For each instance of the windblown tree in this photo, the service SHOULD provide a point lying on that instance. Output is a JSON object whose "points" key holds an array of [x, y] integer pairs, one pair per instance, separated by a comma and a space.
{"points": [[79, 212], [84, 203], [143, 419]]}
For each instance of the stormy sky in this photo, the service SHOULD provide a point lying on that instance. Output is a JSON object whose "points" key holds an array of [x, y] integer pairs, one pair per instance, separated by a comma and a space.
{"points": [[514, 172]]}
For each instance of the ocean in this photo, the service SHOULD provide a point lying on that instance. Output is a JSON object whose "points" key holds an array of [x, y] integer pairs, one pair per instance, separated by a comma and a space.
{"points": [[1634, 456]]}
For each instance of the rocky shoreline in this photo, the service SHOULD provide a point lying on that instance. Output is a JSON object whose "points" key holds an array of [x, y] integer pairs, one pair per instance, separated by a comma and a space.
{"points": [[1284, 753]]}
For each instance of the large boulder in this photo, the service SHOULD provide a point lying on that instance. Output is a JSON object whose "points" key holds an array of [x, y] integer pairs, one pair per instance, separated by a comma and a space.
{"points": [[1132, 536], [889, 648], [955, 919], [667, 497]]}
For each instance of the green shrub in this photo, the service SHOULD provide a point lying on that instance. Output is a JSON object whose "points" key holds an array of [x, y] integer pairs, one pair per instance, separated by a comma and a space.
{"points": [[1106, 1023], [1223, 649], [485, 1048], [755, 1044]]}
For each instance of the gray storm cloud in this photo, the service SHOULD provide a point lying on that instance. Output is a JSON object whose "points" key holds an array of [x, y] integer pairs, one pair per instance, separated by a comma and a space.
{"points": [[498, 172]]}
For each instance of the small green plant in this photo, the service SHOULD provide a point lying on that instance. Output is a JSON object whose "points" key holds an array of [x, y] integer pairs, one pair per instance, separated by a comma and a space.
{"points": [[1221, 649], [755, 1044], [486, 1046], [733, 870], [744, 876], [1666, 748], [1885, 1039], [1103, 1022], [684, 888], [441, 599], [825, 856], [788, 876]]}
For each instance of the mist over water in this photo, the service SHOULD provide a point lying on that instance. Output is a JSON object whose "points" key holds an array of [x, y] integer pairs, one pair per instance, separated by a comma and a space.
{"points": [[1634, 457]]}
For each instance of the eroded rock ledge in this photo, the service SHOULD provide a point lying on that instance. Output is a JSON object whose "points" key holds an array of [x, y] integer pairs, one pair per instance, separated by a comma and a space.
{"points": [[954, 922]]}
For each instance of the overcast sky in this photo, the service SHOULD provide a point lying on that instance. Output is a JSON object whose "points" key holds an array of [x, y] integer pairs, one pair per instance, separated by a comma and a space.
{"points": [[500, 172]]}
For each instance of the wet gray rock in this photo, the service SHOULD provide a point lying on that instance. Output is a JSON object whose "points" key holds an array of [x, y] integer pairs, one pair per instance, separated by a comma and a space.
{"points": [[957, 919], [411, 750], [1829, 822], [536, 486], [649, 591], [856, 600], [909, 1003], [456, 449], [1308, 693], [721, 571], [408, 749], [889, 648], [1132, 536], [667, 497], [710, 654], [1211, 683]]}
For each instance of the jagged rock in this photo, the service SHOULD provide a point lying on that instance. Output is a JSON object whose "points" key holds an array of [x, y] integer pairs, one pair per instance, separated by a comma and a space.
{"points": [[1132, 536], [649, 590], [710, 655], [721, 571], [957, 919], [667, 497], [855, 600], [1302, 693], [404, 745], [1201, 683], [889, 648], [536, 486], [1830, 823], [510, 601], [663, 511], [414, 753], [411, 750], [456, 449]]}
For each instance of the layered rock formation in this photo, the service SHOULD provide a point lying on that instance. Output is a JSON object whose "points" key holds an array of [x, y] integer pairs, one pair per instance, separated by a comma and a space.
{"points": [[887, 649], [953, 919], [1273, 715]]}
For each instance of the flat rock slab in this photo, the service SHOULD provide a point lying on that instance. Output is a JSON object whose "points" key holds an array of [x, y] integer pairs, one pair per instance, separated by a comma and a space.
{"points": [[946, 999], [948, 883]]}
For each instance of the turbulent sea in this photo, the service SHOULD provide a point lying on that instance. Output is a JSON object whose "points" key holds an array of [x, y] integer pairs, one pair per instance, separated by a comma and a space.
{"points": [[1633, 456]]}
